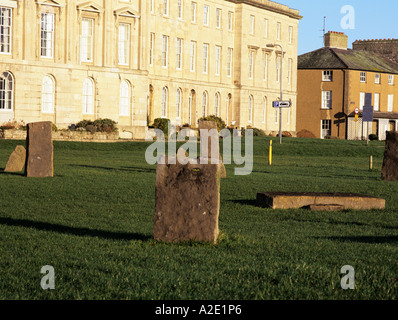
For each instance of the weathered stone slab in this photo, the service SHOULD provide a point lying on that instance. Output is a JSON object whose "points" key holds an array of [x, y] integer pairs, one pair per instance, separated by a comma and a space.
{"points": [[17, 160], [296, 200], [389, 170], [211, 149], [39, 151], [187, 202], [325, 207]]}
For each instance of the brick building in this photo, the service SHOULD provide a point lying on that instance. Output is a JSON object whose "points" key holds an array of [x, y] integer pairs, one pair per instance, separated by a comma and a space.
{"points": [[385, 47], [332, 83]]}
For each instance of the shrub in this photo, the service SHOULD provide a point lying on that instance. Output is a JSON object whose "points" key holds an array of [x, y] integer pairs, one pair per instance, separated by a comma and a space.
{"points": [[373, 137], [100, 125], [256, 132], [54, 127], [162, 124], [220, 122]]}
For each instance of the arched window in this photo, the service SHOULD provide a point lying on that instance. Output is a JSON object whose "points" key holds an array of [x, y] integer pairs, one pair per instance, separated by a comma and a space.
{"points": [[204, 104], [125, 98], [88, 96], [165, 97], [265, 110], [178, 103], [250, 109], [48, 95], [217, 100], [6, 91]]}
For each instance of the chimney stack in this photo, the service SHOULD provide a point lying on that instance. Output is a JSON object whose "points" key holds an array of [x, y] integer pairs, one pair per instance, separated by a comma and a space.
{"points": [[337, 40]]}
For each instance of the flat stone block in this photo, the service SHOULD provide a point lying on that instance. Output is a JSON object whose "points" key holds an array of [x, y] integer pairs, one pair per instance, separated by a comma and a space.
{"points": [[296, 200], [187, 202], [39, 152], [17, 160], [325, 207]]}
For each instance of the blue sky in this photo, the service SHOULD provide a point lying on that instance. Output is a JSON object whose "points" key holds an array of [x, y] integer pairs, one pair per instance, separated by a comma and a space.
{"points": [[373, 20]]}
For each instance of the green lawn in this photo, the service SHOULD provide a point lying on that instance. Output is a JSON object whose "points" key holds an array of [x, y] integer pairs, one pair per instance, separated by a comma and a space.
{"points": [[93, 223]]}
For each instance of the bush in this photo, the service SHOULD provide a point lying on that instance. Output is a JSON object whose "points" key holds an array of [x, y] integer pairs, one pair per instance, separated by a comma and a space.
{"points": [[220, 122], [373, 137], [100, 125], [256, 132], [162, 124], [54, 127]]}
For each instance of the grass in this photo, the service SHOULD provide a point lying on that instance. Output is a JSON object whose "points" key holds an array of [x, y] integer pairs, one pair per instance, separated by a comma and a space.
{"points": [[93, 223]]}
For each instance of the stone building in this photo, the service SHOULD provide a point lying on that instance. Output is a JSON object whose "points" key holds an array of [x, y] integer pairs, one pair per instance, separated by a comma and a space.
{"points": [[385, 47], [134, 61], [332, 84]]}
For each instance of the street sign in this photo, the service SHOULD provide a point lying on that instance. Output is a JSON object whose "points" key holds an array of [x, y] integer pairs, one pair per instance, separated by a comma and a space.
{"points": [[356, 110], [282, 104]]}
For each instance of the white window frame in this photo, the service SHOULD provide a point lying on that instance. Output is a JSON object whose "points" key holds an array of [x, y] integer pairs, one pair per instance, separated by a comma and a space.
{"points": [[179, 53], [377, 78], [87, 40], [47, 30], [390, 103], [265, 66], [327, 99], [377, 102], [166, 8], [164, 102], [326, 128], [218, 18], [230, 62], [362, 77], [251, 64], [266, 23], [391, 79], [6, 91], [6, 30], [165, 51], [206, 15], [88, 96], [218, 60], [290, 34], [278, 31], [178, 103], [180, 9], [124, 44], [230, 21], [48, 94], [361, 100], [125, 98], [193, 56], [217, 101], [151, 48], [205, 103], [327, 76], [194, 7], [252, 24], [205, 58]]}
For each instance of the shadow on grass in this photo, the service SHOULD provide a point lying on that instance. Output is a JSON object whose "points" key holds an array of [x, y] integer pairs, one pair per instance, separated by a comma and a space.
{"points": [[129, 169], [12, 173], [363, 239], [81, 232]]}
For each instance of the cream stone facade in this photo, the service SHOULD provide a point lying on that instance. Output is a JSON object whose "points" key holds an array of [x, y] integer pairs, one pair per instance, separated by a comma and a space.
{"points": [[134, 61]]}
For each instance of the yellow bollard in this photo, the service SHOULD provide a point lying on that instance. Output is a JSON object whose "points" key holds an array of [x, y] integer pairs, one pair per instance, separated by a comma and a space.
{"points": [[371, 163], [270, 153]]}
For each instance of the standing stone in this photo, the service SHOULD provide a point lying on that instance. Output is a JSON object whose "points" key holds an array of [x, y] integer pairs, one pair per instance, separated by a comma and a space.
{"points": [[39, 162], [187, 202], [17, 160], [389, 171], [207, 149]]}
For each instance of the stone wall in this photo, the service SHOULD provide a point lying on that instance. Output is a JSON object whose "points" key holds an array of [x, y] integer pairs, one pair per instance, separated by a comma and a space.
{"points": [[13, 134]]}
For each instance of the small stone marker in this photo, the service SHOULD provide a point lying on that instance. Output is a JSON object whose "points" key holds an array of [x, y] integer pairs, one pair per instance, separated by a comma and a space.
{"points": [[319, 201], [207, 149], [187, 202], [17, 160], [39, 151], [389, 170]]}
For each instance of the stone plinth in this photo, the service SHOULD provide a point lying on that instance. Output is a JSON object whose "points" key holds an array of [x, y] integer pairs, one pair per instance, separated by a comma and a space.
{"points": [[321, 201], [17, 160], [389, 170], [187, 202], [39, 151]]}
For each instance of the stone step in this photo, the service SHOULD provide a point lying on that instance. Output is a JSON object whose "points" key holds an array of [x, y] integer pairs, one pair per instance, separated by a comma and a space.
{"points": [[296, 200]]}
